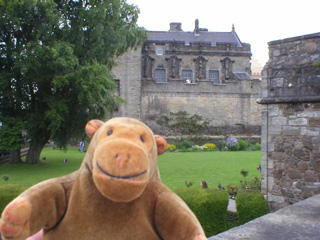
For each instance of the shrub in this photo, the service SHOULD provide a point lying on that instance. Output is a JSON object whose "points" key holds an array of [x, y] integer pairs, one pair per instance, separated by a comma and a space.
{"points": [[209, 146], [232, 144], [222, 145], [209, 206], [198, 148], [185, 144], [182, 123], [8, 192], [256, 147], [250, 205], [171, 147], [242, 144], [255, 184]]}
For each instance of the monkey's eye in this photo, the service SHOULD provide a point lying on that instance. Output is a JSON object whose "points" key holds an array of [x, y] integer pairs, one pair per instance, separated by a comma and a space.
{"points": [[142, 139], [110, 132]]}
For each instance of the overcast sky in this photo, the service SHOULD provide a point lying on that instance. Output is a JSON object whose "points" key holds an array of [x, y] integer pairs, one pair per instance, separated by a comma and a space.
{"points": [[256, 22]]}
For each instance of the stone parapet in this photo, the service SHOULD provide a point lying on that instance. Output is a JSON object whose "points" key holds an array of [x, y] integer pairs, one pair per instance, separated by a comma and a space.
{"points": [[300, 221]]}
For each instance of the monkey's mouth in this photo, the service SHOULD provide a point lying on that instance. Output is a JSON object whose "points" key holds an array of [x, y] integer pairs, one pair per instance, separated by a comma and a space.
{"points": [[120, 177]]}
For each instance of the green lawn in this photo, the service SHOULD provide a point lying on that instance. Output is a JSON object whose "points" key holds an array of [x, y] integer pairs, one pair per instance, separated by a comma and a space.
{"points": [[175, 168]]}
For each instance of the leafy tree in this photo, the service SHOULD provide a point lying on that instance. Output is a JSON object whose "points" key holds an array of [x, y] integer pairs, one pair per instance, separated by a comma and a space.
{"points": [[56, 58]]}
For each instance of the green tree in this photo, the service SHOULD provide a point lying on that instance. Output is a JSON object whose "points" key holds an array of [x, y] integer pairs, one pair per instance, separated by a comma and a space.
{"points": [[56, 58]]}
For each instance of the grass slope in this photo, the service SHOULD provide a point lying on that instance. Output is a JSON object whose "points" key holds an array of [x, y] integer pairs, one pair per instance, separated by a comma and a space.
{"points": [[175, 168]]}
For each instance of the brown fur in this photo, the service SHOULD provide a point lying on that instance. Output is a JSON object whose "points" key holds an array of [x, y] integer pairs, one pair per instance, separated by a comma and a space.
{"points": [[116, 193]]}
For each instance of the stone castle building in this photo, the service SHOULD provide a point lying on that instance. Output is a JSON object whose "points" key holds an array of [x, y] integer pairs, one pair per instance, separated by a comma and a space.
{"points": [[200, 72]]}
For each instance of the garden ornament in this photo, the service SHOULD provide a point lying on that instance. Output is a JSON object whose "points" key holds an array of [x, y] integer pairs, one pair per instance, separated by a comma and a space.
{"points": [[116, 194]]}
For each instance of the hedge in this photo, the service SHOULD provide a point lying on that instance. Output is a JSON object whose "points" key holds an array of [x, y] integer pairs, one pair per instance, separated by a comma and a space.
{"points": [[250, 205], [8, 192], [209, 206]]}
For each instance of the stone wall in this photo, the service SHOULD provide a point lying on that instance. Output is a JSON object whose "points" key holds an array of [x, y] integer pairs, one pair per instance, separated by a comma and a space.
{"points": [[291, 121], [127, 72], [222, 105]]}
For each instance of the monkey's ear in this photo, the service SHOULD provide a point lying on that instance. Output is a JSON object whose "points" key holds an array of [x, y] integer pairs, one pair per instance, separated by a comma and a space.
{"points": [[161, 144], [92, 126]]}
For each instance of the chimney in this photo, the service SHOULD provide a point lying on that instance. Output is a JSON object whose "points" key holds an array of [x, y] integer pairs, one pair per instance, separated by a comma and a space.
{"points": [[196, 27], [175, 27]]}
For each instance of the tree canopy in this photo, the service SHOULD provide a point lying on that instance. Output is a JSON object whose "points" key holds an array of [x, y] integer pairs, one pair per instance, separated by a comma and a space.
{"points": [[56, 58]]}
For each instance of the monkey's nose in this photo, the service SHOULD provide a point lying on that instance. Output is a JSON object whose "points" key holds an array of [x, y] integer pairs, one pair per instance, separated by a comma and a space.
{"points": [[121, 159]]}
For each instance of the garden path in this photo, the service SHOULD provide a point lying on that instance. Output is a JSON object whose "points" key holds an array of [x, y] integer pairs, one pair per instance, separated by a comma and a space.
{"points": [[232, 205]]}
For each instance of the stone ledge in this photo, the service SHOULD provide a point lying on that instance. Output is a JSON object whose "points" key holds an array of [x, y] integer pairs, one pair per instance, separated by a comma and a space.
{"points": [[292, 39], [300, 221], [277, 100]]}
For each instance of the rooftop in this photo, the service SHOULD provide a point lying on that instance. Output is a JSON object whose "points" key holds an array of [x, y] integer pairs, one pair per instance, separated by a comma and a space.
{"points": [[175, 33]]}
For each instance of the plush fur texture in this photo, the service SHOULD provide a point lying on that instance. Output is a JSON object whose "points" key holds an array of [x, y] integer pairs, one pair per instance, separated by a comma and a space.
{"points": [[116, 193]]}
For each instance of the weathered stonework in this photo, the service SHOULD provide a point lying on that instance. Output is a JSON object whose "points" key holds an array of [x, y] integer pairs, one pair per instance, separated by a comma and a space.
{"points": [[153, 79], [291, 121]]}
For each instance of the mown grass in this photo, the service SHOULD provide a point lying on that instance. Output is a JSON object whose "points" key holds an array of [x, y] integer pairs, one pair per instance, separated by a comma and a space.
{"points": [[213, 167], [175, 168]]}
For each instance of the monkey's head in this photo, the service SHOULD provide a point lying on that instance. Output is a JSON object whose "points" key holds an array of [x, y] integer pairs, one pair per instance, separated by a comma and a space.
{"points": [[123, 156]]}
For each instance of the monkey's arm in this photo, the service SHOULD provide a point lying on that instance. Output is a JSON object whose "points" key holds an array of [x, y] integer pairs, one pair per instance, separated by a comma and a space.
{"points": [[41, 206], [174, 219]]}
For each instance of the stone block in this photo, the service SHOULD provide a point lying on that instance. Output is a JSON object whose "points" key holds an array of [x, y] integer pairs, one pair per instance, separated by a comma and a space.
{"points": [[274, 111], [316, 166], [277, 82], [314, 122], [276, 191], [286, 193], [305, 114], [270, 147], [292, 165], [299, 153], [277, 199], [275, 130], [316, 114], [278, 156], [280, 166], [303, 166], [278, 121], [309, 177], [298, 144], [277, 174], [307, 132], [299, 122], [265, 93], [276, 53], [294, 174], [291, 131]]}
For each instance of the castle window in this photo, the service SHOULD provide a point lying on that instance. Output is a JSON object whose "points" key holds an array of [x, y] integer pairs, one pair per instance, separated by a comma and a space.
{"points": [[214, 76], [160, 75], [187, 75], [117, 81], [159, 50]]}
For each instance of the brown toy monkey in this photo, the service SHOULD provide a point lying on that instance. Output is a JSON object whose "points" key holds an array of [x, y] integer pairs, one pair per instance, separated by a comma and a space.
{"points": [[116, 193]]}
